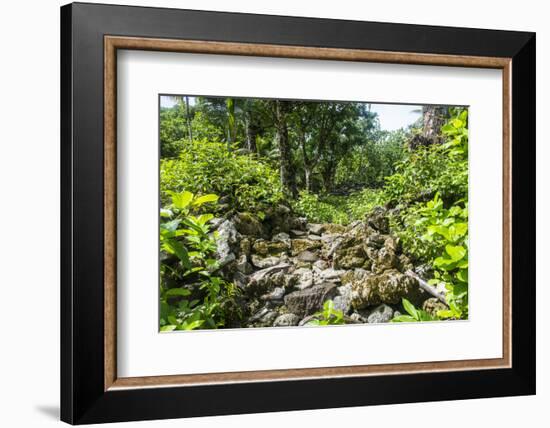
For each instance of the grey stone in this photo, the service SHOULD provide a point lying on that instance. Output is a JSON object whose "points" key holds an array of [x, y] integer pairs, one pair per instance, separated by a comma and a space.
{"points": [[382, 313], [331, 274], [321, 265], [276, 294], [262, 274], [282, 237], [227, 237], [243, 266], [258, 315], [304, 278], [307, 256], [286, 320], [264, 262], [306, 302], [316, 229], [342, 302]]}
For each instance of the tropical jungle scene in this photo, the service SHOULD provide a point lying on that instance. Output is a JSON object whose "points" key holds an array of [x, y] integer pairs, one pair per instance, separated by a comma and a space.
{"points": [[279, 213]]}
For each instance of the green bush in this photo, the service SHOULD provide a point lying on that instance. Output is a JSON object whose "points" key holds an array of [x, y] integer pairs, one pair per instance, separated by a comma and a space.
{"points": [[360, 204], [191, 296], [437, 168], [436, 231], [317, 210], [241, 180]]}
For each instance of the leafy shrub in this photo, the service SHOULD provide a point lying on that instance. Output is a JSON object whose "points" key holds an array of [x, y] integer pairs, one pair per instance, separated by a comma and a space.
{"points": [[436, 231], [328, 316], [443, 243], [190, 295], [242, 180], [414, 314], [428, 170], [361, 203], [316, 210], [172, 131], [368, 163]]}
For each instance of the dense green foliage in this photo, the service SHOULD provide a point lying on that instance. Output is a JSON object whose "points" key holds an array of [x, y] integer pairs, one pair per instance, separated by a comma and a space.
{"points": [[243, 181], [329, 162], [427, 170], [436, 231], [191, 295]]}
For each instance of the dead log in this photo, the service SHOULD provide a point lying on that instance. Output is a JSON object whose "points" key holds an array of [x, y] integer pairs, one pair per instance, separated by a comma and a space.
{"points": [[427, 287]]}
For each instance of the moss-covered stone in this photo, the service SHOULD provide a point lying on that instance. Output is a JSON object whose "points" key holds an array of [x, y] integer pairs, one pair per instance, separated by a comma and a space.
{"points": [[245, 246], [349, 258], [248, 224], [389, 287], [433, 305], [269, 248], [300, 245], [333, 228]]}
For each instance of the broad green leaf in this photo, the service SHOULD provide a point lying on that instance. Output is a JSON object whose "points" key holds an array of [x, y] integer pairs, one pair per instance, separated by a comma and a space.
{"points": [[457, 123], [181, 200], [204, 218], [403, 318], [457, 252], [169, 327], [462, 275], [409, 307], [204, 199], [174, 247], [192, 325], [177, 292]]}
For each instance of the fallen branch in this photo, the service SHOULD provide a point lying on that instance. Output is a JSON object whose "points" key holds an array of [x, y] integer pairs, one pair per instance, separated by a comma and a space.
{"points": [[427, 287]]}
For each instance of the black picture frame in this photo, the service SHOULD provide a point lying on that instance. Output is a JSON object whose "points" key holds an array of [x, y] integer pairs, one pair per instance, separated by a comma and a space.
{"points": [[83, 398]]}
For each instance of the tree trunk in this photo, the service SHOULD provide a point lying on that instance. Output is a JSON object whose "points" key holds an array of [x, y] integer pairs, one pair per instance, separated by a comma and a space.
{"points": [[231, 122], [188, 116], [251, 134], [433, 118], [283, 143], [307, 174], [328, 175]]}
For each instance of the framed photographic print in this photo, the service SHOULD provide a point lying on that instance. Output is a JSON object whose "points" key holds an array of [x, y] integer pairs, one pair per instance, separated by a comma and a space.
{"points": [[265, 213]]}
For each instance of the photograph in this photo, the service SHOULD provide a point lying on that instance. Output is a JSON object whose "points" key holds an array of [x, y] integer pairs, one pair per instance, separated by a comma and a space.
{"points": [[304, 213]]}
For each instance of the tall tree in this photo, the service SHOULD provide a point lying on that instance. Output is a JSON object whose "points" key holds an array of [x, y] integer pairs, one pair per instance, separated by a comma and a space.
{"points": [[281, 112], [433, 118], [188, 117], [231, 122]]}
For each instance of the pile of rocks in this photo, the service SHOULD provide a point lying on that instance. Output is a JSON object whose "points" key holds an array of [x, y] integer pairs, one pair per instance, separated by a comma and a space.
{"points": [[287, 268]]}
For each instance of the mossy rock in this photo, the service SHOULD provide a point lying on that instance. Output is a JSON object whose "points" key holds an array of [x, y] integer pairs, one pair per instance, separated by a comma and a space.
{"points": [[349, 258], [248, 224], [333, 228], [433, 305], [389, 287], [300, 245], [270, 248]]}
